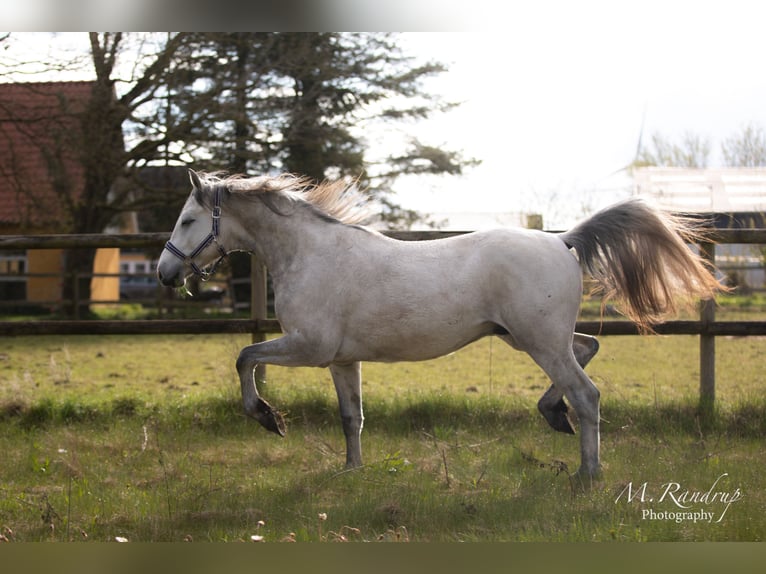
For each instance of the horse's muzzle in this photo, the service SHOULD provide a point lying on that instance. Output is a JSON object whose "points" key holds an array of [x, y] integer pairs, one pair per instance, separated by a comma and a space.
{"points": [[170, 280]]}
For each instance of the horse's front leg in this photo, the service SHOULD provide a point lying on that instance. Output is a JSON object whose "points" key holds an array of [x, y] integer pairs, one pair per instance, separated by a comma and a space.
{"points": [[348, 385], [255, 406], [288, 351]]}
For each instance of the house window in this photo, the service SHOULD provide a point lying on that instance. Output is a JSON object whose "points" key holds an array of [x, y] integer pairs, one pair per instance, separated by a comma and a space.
{"points": [[13, 280]]}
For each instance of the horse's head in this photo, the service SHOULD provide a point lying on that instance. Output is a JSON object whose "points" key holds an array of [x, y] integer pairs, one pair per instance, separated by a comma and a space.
{"points": [[194, 243]]}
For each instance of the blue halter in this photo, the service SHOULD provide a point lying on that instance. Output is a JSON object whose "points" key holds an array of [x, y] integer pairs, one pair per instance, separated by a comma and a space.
{"points": [[212, 237]]}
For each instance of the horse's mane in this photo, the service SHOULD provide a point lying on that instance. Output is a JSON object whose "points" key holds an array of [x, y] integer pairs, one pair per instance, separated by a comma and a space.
{"points": [[339, 200]]}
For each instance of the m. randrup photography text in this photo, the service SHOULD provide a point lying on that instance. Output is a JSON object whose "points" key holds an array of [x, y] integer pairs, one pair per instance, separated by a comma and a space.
{"points": [[678, 503]]}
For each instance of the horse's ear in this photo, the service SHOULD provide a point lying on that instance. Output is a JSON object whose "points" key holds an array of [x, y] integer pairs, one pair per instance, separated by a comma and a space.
{"points": [[196, 183]]}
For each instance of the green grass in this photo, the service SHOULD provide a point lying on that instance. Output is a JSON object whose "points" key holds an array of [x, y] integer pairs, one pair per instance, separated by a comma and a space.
{"points": [[143, 438]]}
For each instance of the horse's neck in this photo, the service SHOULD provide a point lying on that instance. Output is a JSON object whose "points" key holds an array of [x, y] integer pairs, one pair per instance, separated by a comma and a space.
{"points": [[282, 241]]}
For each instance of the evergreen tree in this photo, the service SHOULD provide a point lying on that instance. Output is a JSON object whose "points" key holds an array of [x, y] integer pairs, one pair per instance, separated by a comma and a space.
{"points": [[298, 102]]}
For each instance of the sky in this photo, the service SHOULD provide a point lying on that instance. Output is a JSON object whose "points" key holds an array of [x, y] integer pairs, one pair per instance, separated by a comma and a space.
{"points": [[555, 100], [556, 94]]}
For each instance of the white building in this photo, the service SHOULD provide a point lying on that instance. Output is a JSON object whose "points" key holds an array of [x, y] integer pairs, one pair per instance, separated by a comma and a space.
{"points": [[717, 190], [733, 197]]}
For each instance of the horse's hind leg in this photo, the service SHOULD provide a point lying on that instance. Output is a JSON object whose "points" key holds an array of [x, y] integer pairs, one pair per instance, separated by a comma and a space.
{"points": [[348, 385], [570, 379], [585, 348], [551, 404], [551, 351], [553, 408]]}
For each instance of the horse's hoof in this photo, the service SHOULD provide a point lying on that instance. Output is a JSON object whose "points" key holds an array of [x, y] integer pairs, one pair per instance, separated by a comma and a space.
{"points": [[270, 419], [558, 418]]}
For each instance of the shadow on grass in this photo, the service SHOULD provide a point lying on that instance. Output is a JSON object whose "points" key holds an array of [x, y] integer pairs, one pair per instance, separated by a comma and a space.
{"points": [[397, 416], [747, 420]]}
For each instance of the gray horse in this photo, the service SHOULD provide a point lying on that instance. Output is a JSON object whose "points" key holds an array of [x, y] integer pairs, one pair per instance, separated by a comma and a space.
{"points": [[345, 293]]}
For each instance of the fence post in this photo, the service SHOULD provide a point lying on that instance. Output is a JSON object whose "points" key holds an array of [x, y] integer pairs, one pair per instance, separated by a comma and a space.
{"points": [[707, 341], [76, 294], [258, 305]]}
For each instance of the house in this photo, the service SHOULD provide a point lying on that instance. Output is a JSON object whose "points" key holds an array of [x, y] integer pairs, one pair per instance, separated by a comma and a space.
{"points": [[39, 168], [731, 197]]}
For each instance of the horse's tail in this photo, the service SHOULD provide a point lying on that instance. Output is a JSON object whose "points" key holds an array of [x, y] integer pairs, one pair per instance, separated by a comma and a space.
{"points": [[639, 255]]}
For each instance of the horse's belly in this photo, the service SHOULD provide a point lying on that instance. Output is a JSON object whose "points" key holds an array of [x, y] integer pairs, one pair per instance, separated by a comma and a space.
{"points": [[405, 343]]}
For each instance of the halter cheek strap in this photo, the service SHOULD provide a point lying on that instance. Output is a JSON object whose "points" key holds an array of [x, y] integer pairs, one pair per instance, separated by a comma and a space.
{"points": [[212, 237]]}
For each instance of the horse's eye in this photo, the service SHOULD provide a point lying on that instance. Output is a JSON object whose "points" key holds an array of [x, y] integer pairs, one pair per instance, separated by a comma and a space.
{"points": [[186, 222]]}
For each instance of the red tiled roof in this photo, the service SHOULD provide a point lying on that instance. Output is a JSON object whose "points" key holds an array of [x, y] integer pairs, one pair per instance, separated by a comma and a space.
{"points": [[39, 127]]}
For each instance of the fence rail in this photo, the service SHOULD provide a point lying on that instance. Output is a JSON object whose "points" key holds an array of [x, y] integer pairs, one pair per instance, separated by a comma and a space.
{"points": [[707, 328], [92, 240], [265, 326]]}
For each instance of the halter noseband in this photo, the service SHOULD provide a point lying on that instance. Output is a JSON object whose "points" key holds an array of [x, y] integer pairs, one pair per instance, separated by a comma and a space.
{"points": [[212, 237]]}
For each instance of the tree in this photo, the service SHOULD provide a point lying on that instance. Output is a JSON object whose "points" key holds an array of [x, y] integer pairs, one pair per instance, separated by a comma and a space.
{"points": [[692, 151], [106, 152], [240, 102], [116, 131], [298, 102], [746, 149]]}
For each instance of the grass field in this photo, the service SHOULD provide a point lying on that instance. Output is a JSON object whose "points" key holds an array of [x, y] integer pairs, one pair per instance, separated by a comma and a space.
{"points": [[142, 438]]}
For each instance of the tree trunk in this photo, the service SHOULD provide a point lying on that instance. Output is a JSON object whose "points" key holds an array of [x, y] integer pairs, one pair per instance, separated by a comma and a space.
{"points": [[238, 162], [102, 155]]}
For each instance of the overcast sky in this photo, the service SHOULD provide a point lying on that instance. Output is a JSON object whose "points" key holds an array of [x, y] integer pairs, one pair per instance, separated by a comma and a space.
{"points": [[556, 98]]}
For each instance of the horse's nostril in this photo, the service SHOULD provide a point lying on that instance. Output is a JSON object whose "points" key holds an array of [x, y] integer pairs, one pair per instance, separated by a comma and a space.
{"points": [[164, 279]]}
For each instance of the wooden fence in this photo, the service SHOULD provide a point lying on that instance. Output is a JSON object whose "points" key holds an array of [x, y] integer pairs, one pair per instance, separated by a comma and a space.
{"points": [[707, 328]]}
